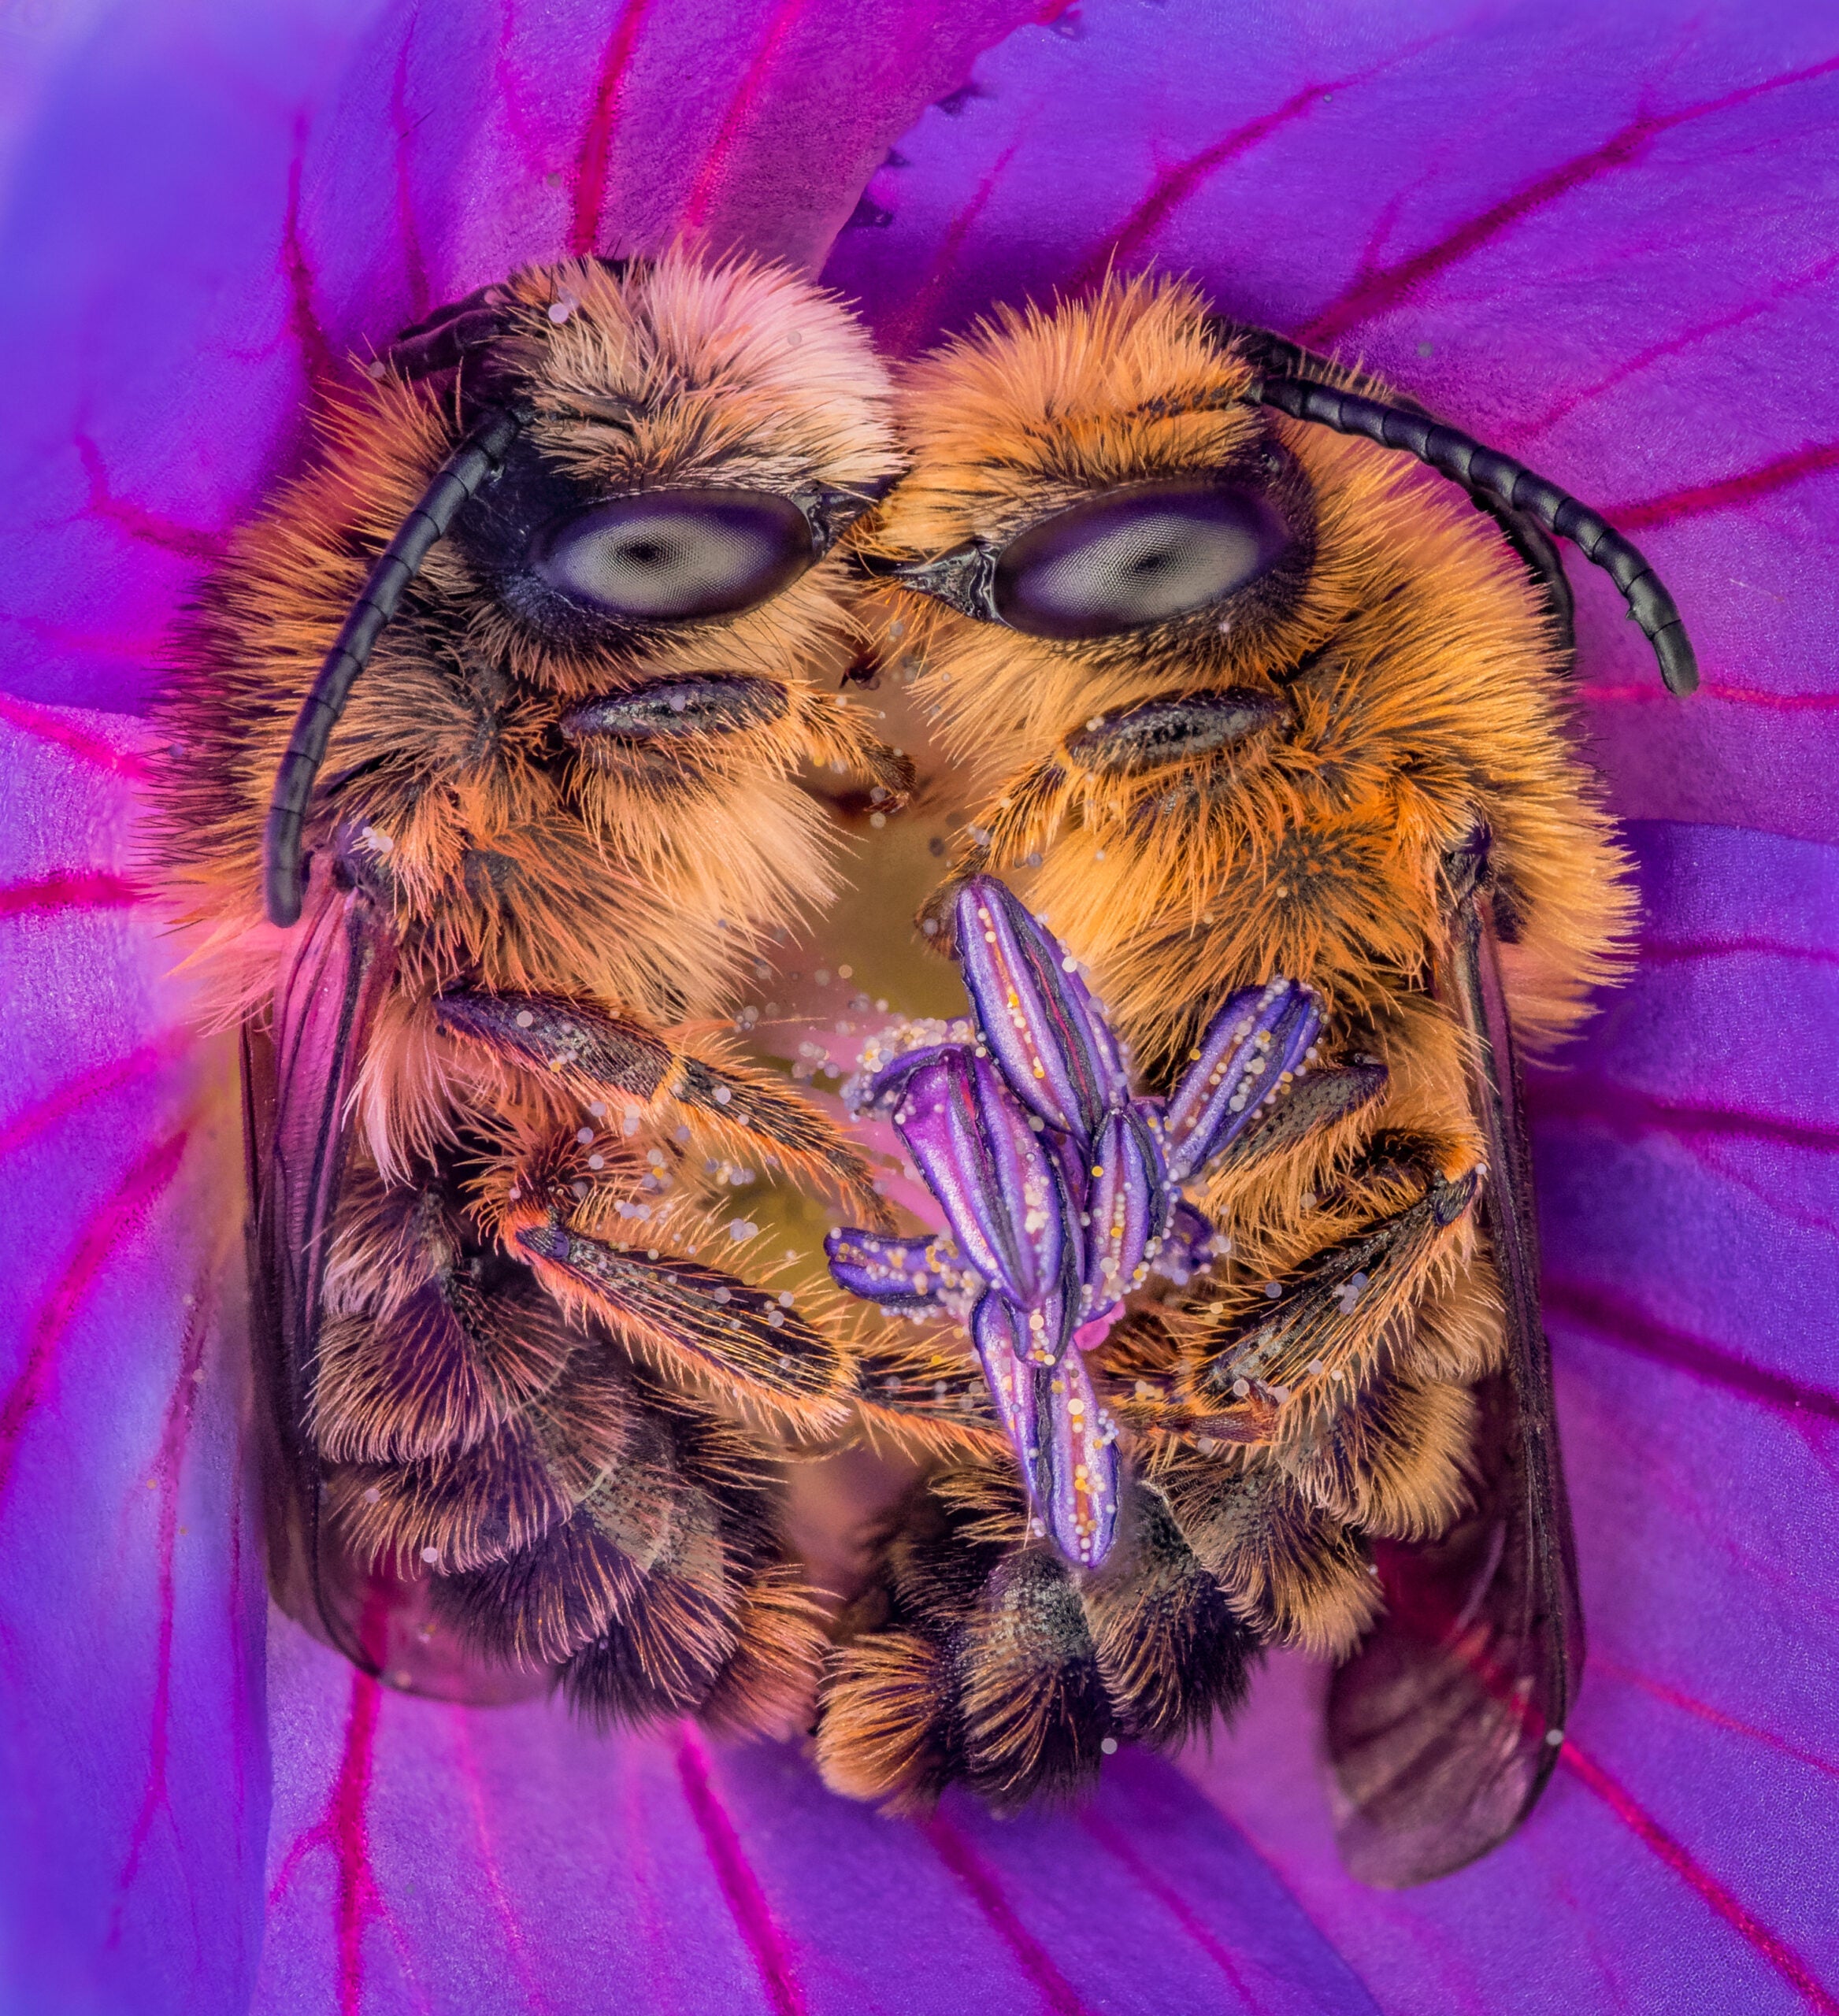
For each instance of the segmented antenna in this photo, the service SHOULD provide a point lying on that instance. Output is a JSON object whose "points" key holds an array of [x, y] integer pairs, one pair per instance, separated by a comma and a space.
{"points": [[1476, 467], [479, 455]]}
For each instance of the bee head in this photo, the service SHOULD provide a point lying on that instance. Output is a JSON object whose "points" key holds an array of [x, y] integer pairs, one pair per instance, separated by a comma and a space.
{"points": [[644, 450]]}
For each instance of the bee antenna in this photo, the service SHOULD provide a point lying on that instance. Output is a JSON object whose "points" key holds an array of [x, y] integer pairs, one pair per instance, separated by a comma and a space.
{"points": [[1500, 478], [479, 455]]}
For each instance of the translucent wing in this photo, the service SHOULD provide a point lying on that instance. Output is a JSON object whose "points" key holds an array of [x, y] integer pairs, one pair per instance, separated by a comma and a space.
{"points": [[1445, 1725], [299, 1069]]}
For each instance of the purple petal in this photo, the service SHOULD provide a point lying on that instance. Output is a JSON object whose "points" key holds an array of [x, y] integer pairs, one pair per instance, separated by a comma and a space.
{"points": [[1252, 1046], [1000, 1192], [1127, 1203], [510, 1863], [133, 1755], [1048, 1034]]}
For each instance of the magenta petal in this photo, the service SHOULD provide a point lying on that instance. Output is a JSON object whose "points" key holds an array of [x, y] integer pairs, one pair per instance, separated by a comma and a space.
{"points": [[1048, 1034], [508, 1862], [133, 1755]]}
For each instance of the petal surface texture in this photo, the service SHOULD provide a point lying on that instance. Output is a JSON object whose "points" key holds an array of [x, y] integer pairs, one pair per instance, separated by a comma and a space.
{"points": [[134, 1764], [1601, 239]]}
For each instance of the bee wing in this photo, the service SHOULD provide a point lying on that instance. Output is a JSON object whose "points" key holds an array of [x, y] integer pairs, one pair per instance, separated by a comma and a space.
{"points": [[1445, 1725], [298, 1069]]}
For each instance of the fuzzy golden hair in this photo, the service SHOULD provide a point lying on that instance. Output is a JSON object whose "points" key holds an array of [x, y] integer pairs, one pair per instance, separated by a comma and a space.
{"points": [[539, 1435], [1409, 688]]}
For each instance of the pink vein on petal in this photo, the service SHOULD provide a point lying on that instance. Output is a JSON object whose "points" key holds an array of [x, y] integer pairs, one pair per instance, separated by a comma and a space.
{"points": [[1689, 1704], [1144, 1872], [1375, 289], [414, 263], [1614, 1321], [701, 199], [740, 1887], [1652, 1836], [901, 332], [976, 1875], [54, 725], [1683, 339], [1624, 1110], [589, 193], [81, 889], [174, 1433], [74, 1094], [137, 1193], [534, 2000], [1644, 691], [1815, 458], [316, 352], [1674, 951], [146, 527], [344, 1829], [1173, 186]]}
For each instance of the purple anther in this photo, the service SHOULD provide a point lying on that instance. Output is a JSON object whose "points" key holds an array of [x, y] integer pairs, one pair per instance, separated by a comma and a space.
{"points": [[1082, 1466], [1126, 1210], [999, 1190], [1046, 1032], [895, 1273], [1253, 1046]]}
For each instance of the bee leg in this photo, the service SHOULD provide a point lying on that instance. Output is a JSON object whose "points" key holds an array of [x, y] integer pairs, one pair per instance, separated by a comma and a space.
{"points": [[921, 1390], [975, 1656], [1172, 1648], [693, 1320], [1366, 1428], [599, 1058], [432, 1340], [969, 1658], [1292, 1573], [1317, 1335]]}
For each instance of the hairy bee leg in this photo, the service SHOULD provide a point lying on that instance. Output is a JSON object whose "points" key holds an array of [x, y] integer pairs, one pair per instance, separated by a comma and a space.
{"points": [[1293, 1573], [600, 1058], [464, 1508], [1314, 1336], [922, 1390], [1315, 1106], [1370, 1435], [696, 1319], [1173, 1651], [977, 1657]]}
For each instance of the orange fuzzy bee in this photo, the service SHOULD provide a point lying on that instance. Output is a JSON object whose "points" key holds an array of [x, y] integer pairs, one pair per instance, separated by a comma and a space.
{"points": [[522, 677], [576, 535], [1251, 697]]}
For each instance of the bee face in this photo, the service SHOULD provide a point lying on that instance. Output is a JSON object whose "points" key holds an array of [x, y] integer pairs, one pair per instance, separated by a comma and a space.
{"points": [[696, 440]]}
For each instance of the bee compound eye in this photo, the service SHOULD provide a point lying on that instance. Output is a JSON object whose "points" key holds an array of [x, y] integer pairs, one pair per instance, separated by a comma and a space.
{"points": [[1136, 557], [669, 556]]}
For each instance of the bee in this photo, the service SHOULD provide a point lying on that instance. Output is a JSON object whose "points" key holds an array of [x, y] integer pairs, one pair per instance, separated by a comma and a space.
{"points": [[1253, 703], [481, 789]]}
